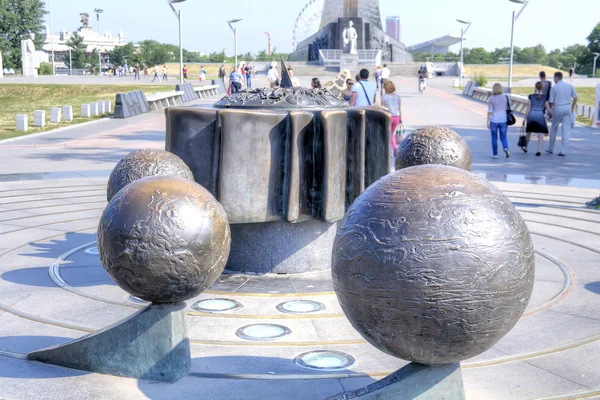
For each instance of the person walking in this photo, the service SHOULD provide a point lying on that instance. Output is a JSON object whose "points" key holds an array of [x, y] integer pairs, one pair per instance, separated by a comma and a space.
{"points": [[422, 76], [364, 93], [249, 76], [546, 85], [185, 72], [534, 116], [202, 76], [392, 102], [378, 84], [347, 93], [496, 119], [235, 80], [145, 71], [165, 73], [243, 72], [136, 71], [571, 72], [222, 73], [272, 77], [563, 99], [385, 76], [156, 76]]}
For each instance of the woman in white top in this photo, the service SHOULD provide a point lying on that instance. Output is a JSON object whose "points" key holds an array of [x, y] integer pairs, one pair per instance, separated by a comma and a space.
{"points": [[272, 77], [393, 103], [496, 119]]}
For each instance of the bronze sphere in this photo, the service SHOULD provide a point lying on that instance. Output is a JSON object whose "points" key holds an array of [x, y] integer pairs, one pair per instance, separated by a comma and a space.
{"points": [[434, 145], [144, 163], [433, 264], [164, 239]]}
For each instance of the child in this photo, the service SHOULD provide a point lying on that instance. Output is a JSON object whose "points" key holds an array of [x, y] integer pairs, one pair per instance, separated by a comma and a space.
{"points": [[393, 103]]}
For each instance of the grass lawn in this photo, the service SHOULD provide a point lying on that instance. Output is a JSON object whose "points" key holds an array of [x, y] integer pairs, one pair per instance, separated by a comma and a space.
{"points": [[24, 99], [502, 70], [586, 95]]}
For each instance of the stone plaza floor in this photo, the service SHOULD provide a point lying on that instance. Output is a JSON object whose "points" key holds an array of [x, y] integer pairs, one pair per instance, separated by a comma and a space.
{"points": [[54, 289]]}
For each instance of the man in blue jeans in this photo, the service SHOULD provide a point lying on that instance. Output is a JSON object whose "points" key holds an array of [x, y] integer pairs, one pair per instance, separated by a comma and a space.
{"points": [[235, 79]]}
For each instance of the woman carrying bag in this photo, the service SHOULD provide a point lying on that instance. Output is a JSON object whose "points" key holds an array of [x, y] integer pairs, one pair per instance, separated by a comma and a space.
{"points": [[534, 116], [498, 118]]}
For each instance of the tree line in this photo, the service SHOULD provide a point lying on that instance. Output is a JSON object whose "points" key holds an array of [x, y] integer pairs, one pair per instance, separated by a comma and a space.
{"points": [[578, 55]]}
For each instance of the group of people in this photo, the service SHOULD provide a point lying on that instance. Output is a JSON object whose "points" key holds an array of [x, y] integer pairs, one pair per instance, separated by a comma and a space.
{"points": [[363, 93], [238, 76], [555, 104]]}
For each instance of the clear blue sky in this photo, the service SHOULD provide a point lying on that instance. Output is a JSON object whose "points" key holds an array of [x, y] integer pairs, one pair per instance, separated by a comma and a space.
{"points": [[554, 23]]}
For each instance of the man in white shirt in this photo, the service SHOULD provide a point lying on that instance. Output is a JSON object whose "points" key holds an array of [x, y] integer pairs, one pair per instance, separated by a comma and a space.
{"points": [[364, 93], [562, 112], [385, 75]]}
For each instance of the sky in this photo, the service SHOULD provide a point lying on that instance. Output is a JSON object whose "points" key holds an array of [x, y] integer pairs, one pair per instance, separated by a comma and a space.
{"points": [[553, 23]]}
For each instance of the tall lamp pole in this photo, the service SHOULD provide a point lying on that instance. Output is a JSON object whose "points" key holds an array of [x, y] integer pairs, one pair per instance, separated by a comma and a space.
{"points": [[51, 39], [268, 43], [234, 29], [98, 11], [462, 40], [595, 58], [178, 16], [515, 17]]}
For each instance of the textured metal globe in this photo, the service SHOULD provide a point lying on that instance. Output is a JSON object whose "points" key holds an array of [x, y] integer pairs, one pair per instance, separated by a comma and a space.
{"points": [[434, 145], [144, 163], [164, 239], [433, 264]]}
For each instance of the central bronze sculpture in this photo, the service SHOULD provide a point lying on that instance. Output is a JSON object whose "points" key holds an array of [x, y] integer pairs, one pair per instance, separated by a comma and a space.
{"points": [[285, 163]]}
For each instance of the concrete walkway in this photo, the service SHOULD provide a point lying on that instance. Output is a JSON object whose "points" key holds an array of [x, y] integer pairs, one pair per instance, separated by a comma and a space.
{"points": [[54, 289]]}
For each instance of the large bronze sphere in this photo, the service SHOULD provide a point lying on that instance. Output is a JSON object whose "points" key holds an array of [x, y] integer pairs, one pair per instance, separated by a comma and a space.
{"points": [[143, 163], [433, 264], [164, 239], [434, 145]]}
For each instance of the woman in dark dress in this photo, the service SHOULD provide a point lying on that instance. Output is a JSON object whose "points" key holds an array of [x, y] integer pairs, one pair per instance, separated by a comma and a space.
{"points": [[534, 116]]}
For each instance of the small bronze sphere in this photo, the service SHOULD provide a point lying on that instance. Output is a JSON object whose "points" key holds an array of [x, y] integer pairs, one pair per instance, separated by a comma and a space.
{"points": [[144, 163], [434, 145], [164, 239], [433, 264]]}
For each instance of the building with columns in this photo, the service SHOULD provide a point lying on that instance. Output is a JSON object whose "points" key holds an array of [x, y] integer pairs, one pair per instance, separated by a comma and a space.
{"points": [[91, 38]]}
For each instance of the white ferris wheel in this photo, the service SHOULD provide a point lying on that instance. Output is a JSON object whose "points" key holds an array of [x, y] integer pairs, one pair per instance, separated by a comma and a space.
{"points": [[308, 21]]}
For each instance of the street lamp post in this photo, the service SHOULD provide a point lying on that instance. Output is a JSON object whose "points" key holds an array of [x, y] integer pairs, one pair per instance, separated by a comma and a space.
{"points": [[462, 40], [595, 58], [178, 16], [98, 11], [515, 16], [234, 29], [51, 39]]}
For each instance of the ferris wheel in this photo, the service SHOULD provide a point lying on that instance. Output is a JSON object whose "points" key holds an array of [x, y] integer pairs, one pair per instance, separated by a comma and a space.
{"points": [[308, 21]]}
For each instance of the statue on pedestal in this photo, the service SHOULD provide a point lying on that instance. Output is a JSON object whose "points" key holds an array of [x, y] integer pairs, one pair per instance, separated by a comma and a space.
{"points": [[350, 39]]}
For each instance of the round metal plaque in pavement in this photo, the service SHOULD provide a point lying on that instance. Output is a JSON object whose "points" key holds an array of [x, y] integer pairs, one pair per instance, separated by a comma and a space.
{"points": [[300, 307], [216, 305], [325, 360], [262, 332]]}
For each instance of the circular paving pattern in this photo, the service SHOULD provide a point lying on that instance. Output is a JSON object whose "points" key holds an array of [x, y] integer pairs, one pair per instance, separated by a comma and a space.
{"points": [[216, 305], [300, 307], [325, 360], [262, 328], [262, 332]]}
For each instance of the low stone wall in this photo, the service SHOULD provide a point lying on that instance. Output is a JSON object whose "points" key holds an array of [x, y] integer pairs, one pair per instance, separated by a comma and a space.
{"points": [[519, 102]]}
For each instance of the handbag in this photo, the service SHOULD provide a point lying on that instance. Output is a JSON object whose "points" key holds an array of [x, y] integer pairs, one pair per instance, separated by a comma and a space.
{"points": [[522, 138], [510, 118], [399, 133]]}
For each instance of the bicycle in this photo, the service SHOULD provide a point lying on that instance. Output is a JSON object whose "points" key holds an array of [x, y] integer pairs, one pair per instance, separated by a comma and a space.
{"points": [[421, 85]]}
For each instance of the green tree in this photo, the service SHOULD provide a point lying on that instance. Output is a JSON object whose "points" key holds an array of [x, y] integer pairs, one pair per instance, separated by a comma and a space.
{"points": [[477, 55], [78, 49], [18, 19], [594, 39], [121, 54]]}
